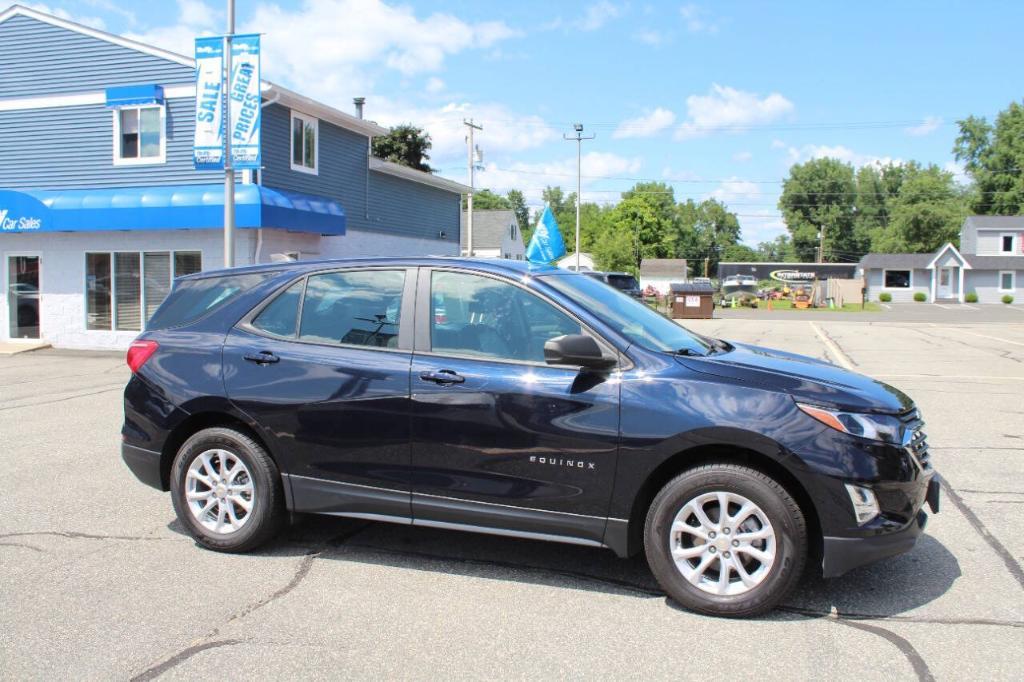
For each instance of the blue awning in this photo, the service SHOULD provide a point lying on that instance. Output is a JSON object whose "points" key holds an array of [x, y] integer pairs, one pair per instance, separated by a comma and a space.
{"points": [[180, 207], [134, 95]]}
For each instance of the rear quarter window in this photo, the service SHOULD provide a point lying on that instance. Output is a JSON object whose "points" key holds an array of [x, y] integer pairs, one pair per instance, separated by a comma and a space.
{"points": [[194, 298]]}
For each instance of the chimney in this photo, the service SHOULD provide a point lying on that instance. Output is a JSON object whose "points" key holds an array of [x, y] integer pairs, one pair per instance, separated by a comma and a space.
{"points": [[359, 102]]}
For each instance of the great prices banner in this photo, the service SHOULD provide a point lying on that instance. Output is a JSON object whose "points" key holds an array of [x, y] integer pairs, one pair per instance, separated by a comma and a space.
{"points": [[244, 92]]}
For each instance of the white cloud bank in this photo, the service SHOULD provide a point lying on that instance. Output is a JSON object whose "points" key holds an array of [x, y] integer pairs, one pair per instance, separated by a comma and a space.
{"points": [[730, 110], [928, 126], [646, 125]]}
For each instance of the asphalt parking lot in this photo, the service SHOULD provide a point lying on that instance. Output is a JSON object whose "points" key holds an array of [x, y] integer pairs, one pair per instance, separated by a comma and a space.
{"points": [[98, 581]]}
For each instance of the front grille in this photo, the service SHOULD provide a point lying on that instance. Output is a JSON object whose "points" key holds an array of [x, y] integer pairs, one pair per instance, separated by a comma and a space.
{"points": [[918, 445]]}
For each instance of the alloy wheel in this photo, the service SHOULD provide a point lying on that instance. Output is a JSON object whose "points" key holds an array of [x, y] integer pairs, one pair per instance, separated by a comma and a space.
{"points": [[722, 543], [219, 491]]}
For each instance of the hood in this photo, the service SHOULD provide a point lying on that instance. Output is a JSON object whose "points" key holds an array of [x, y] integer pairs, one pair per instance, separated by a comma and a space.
{"points": [[804, 378]]}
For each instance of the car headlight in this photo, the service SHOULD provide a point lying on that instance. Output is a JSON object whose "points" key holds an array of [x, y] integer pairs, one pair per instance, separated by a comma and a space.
{"points": [[871, 426]]}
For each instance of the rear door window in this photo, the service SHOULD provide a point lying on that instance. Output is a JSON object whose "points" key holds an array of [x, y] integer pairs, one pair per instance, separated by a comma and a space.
{"points": [[358, 308], [623, 281], [282, 314], [193, 298]]}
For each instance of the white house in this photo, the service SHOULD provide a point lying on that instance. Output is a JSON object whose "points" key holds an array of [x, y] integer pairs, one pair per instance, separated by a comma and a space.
{"points": [[989, 263], [496, 234], [660, 273], [569, 262]]}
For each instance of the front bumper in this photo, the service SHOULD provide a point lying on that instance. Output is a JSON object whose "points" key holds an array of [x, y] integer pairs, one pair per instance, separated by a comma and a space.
{"points": [[145, 464], [841, 555]]}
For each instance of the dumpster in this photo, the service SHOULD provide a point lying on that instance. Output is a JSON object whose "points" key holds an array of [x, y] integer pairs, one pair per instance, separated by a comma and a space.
{"points": [[690, 300]]}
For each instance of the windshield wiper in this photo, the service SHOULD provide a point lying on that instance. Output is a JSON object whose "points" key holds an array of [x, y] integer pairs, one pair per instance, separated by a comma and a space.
{"points": [[690, 352], [720, 346]]}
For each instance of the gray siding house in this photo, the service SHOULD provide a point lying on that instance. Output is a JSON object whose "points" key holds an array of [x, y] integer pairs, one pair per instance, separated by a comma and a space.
{"points": [[989, 263], [101, 207], [496, 234]]}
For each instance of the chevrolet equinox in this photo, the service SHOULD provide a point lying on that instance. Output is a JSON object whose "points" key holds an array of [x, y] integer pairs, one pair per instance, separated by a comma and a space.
{"points": [[520, 400]]}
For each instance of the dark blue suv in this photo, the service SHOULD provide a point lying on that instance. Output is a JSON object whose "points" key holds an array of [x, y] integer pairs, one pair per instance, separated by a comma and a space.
{"points": [[499, 397]]}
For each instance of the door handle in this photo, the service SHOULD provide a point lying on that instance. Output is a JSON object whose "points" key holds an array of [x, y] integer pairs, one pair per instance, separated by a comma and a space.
{"points": [[264, 357], [443, 377]]}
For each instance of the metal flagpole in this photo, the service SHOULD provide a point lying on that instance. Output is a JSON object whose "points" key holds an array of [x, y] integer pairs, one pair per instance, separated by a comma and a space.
{"points": [[229, 173], [578, 127]]}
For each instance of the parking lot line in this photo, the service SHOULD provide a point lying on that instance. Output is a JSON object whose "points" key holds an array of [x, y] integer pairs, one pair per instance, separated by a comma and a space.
{"points": [[942, 306], [988, 336], [833, 349]]}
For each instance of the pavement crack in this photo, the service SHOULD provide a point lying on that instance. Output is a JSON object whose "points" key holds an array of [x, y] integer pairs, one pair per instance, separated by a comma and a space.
{"points": [[119, 387], [24, 546], [1012, 566], [74, 535], [159, 669], [905, 647]]}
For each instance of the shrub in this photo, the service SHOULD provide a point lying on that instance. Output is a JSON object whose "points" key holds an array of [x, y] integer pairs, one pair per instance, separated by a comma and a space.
{"points": [[971, 297], [920, 296], [1007, 299], [885, 297]]}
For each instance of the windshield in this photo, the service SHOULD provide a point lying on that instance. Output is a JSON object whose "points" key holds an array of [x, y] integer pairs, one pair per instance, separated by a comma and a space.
{"points": [[631, 318], [623, 281]]}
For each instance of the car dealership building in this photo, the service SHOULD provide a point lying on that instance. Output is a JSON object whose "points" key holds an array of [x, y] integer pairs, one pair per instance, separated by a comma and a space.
{"points": [[101, 207]]}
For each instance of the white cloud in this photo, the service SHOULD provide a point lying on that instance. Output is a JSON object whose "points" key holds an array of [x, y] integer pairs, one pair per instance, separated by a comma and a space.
{"points": [[334, 49], [696, 19], [735, 189], [959, 173], [434, 85], [742, 157], [505, 131], [928, 126], [730, 110], [841, 152], [94, 22], [646, 125], [531, 178], [650, 37], [778, 144], [597, 15]]}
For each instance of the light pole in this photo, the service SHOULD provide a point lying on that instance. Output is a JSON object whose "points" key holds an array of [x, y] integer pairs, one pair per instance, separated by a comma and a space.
{"points": [[469, 195], [578, 127], [229, 172]]}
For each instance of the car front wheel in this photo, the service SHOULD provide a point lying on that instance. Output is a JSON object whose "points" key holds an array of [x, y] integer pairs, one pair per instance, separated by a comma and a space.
{"points": [[226, 490], [725, 540]]}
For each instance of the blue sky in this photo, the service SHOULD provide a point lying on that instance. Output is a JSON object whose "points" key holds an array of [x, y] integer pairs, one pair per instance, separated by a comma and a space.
{"points": [[716, 98]]}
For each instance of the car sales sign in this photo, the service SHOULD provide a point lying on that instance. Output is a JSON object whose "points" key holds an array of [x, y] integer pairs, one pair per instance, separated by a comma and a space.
{"points": [[244, 92]]}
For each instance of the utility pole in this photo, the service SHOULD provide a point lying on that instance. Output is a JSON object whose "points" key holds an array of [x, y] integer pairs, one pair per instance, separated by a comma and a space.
{"points": [[578, 127], [821, 244], [229, 172], [472, 176]]}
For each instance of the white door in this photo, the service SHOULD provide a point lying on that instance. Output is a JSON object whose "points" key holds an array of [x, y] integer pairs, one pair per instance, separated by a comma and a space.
{"points": [[945, 283]]}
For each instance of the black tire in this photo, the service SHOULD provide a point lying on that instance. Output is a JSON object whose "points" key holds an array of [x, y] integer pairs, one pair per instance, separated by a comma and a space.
{"points": [[268, 511], [778, 505]]}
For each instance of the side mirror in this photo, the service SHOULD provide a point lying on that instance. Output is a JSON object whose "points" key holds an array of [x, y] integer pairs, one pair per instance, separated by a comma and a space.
{"points": [[576, 349]]}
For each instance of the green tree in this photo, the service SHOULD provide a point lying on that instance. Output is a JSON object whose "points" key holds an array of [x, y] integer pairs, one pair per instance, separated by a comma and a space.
{"points": [[779, 250], [740, 253], [486, 200], [518, 204], [994, 158], [925, 214], [819, 196], [715, 229], [405, 144]]}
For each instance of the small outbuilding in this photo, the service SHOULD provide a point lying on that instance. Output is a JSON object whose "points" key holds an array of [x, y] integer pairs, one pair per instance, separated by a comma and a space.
{"points": [[660, 273]]}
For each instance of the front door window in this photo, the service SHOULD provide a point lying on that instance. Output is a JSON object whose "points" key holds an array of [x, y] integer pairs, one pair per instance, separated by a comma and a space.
{"points": [[23, 296], [945, 282]]}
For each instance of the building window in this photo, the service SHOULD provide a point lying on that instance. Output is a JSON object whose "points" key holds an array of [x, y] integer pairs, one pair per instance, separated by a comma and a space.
{"points": [[123, 289], [1006, 243], [897, 279], [1006, 280], [304, 141], [139, 135], [512, 231]]}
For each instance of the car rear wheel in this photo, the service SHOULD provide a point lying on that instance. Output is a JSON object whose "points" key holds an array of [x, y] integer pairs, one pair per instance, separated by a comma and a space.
{"points": [[226, 490], [725, 540]]}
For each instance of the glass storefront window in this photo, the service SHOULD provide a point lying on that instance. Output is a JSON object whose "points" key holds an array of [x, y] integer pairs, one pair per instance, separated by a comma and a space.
{"points": [[124, 289], [97, 291]]}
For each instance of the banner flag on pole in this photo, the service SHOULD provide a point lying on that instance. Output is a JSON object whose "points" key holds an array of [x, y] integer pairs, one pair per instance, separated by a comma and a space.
{"points": [[546, 244], [208, 143], [245, 101]]}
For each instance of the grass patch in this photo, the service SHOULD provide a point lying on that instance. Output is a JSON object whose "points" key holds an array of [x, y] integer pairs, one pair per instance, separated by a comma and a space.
{"points": [[784, 304]]}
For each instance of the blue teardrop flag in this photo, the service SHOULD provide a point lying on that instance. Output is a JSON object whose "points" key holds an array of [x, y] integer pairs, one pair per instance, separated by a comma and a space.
{"points": [[546, 243]]}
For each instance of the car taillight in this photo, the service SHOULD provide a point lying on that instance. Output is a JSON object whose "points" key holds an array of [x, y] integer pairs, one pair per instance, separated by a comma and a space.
{"points": [[139, 352]]}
